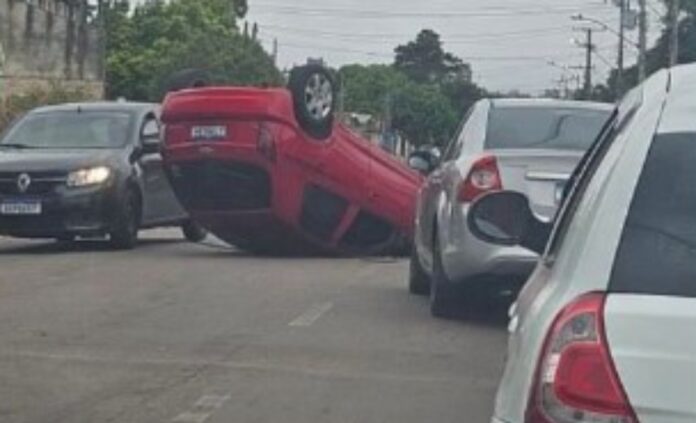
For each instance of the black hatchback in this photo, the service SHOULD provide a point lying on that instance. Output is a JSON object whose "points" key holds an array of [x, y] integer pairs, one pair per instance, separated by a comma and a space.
{"points": [[87, 170]]}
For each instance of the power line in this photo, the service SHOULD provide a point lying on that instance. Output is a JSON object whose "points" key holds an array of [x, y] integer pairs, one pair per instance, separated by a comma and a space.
{"points": [[653, 7], [384, 14], [450, 38], [391, 56], [490, 39]]}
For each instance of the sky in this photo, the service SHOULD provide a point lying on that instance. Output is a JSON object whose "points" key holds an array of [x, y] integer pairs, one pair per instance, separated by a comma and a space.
{"points": [[523, 45]]}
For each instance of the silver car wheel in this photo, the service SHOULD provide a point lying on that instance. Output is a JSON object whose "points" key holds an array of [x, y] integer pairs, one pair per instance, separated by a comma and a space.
{"points": [[318, 97]]}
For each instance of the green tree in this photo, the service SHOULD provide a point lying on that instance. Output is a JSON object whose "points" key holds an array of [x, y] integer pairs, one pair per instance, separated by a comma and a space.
{"points": [[144, 48], [422, 115], [418, 112], [425, 61], [366, 89], [423, 94]]}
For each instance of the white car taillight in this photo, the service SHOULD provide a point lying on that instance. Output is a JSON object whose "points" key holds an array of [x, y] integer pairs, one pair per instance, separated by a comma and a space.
{"points": [[484, 177], [576, 380]]}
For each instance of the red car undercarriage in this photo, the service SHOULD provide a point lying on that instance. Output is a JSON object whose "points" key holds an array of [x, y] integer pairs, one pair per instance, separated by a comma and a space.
{"points": [[268, 170]]}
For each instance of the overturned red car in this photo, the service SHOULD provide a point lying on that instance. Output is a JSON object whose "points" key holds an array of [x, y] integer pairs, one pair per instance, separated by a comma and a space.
{"points": [[268, 170]]}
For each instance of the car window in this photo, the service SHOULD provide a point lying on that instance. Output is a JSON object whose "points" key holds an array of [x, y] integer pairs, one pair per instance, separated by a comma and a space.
{"points": [[544, 127], [455, 147], [657, 253], [71, 130]]}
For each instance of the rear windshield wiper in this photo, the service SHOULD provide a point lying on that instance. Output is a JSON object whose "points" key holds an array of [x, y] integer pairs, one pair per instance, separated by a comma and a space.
{"points": [[17, 146]]}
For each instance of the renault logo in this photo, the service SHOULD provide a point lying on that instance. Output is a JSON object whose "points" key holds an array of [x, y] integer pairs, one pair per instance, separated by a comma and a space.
{"points": [[23, 182]]}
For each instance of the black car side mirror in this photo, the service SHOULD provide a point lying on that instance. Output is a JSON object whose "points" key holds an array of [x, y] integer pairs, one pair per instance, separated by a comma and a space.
{"points": [[506, 218], [424, 161]]}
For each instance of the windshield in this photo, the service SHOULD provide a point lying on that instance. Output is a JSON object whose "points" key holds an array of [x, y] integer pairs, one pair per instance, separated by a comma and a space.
{"points": [[548, 127], [57, 130]]}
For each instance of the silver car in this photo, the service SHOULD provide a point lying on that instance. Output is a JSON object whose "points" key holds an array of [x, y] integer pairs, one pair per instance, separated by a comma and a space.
{"points": [[531, 146], [605, 330]]}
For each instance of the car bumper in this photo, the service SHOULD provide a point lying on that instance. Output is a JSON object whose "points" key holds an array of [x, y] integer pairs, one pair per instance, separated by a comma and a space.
{"points": [[83, 212], [465, 257]]}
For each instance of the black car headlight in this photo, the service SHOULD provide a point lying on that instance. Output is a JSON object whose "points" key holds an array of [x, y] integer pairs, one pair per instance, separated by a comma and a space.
{"points": [[88, 177]]}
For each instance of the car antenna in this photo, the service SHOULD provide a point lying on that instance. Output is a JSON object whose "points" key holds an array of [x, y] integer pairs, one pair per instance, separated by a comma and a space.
{"points": [[79, 109]]}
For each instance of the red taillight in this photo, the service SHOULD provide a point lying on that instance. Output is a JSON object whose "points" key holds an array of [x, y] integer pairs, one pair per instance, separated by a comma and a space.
{"points": [[576, 380], [484, 177], [265, 143]]}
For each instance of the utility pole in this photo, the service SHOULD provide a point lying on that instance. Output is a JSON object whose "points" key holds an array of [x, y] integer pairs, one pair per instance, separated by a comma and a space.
{"points": [[642, 40], [674, 35], [589, 49], [275, 52]]}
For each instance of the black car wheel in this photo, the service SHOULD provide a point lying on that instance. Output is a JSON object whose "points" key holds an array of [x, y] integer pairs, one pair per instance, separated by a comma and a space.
{"points": [[193, 232], [314, 96], [418, 280], [442, 293], [124, 236]]}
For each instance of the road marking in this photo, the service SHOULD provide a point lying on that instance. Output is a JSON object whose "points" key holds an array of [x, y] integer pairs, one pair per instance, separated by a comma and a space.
{"points": [[249, 366], [313, 314], [205, 406], [188, 417], [212, 401]]}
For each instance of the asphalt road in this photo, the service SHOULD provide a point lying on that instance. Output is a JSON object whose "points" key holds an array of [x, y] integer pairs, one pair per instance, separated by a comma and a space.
{"points": [[176, 332]]}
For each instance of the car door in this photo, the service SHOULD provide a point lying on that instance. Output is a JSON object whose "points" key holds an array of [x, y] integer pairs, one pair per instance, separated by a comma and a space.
{"points": [[433, 190], [332, 177], [159, 203]]}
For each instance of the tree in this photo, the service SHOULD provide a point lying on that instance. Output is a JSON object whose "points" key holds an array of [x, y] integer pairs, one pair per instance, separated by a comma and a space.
{"points": [[418, 112], [367, 89], [144, 48], [423, 115], [423, 94], [425, 61]]}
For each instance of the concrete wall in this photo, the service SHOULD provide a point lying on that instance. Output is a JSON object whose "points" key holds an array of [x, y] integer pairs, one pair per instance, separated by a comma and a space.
{"points": [[44, 41]]}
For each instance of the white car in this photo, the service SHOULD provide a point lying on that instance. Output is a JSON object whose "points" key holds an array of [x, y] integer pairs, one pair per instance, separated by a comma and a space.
{"points": [[605, 329], [527, 145]]}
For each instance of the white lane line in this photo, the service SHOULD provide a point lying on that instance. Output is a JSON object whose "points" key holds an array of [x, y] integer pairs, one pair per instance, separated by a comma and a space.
{"points": [[205, 407], [212, 401], [188, 417], [247, 366], [311, 315]]}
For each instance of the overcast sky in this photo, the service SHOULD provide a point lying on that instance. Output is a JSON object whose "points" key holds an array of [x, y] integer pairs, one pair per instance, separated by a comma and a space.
{"points": [[508, 42]]}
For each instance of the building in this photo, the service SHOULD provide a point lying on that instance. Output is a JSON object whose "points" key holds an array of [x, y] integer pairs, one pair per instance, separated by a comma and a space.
{"points": [[44, 42]]}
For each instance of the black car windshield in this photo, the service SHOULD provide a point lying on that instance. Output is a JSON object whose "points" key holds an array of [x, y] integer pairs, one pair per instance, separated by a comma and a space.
{"points": [[85, 129], [544, 127]]}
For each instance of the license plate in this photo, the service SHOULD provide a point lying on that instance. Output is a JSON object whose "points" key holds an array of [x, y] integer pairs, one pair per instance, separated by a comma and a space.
{"points": [[21, 208], [209, 133]]}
